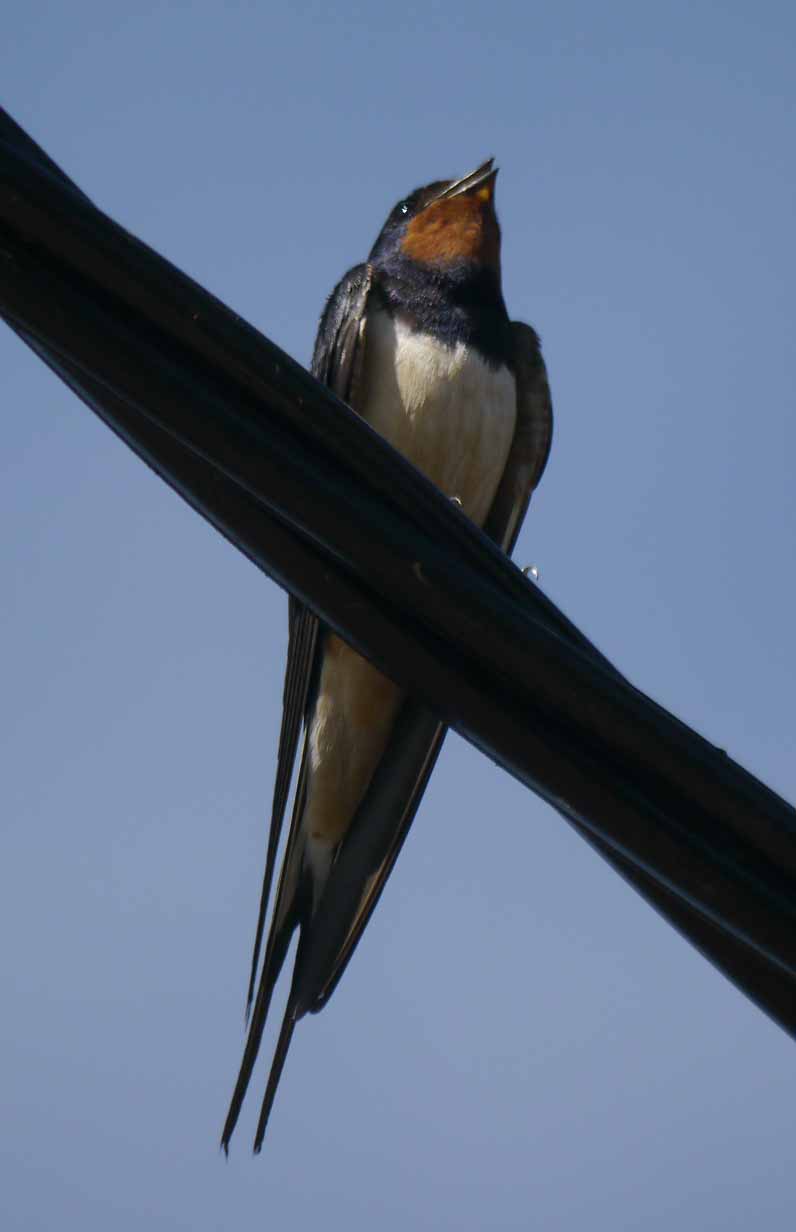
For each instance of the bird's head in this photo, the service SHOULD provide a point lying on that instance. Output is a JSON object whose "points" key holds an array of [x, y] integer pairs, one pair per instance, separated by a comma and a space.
{"points": [[450, 225]]}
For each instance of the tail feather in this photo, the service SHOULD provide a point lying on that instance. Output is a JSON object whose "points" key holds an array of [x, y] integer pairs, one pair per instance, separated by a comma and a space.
{"points": [[303, 637], [277, 1064], [274, 958], [293, 903], [270, 862]]}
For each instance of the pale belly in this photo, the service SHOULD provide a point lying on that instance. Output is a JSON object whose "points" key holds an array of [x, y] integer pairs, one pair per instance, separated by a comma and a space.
{"points": [[454, 418], [444, 409]]}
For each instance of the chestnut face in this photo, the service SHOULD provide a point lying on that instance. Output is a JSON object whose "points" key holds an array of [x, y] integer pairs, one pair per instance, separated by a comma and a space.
{"points": [[447, 224], [455, 230]]}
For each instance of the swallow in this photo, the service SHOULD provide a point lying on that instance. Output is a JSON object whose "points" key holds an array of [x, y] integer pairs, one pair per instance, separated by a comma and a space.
{"points": [[417, 340]]}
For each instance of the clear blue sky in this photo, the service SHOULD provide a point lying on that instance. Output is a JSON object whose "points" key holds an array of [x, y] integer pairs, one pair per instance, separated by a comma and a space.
{"points": [[647, 201]]}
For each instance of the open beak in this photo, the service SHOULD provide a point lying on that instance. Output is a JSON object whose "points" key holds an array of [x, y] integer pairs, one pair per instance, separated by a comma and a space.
{"points": [[482, 177]]}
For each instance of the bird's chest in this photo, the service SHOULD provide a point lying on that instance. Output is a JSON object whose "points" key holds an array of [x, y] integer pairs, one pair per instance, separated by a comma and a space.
{"points": [[443, 407]]}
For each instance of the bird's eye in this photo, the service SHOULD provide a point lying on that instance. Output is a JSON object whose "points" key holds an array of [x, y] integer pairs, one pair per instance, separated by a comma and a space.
{"points": [[404, 207]]}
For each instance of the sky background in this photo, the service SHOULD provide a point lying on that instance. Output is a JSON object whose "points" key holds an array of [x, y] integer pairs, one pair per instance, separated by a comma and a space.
{"points": [[646, 196]]}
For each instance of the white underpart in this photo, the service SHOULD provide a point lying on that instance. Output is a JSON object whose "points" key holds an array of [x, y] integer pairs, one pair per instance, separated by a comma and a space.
{"points": [[453, 416], [443, 407]]}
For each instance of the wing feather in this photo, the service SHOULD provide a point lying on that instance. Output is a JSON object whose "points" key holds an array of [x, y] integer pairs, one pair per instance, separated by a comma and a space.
{"points": [[337, 361], [302, 639], [530, 447]]}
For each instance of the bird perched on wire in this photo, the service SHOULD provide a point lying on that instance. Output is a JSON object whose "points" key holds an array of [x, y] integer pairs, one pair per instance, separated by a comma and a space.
{"points": [[418, 341]]}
